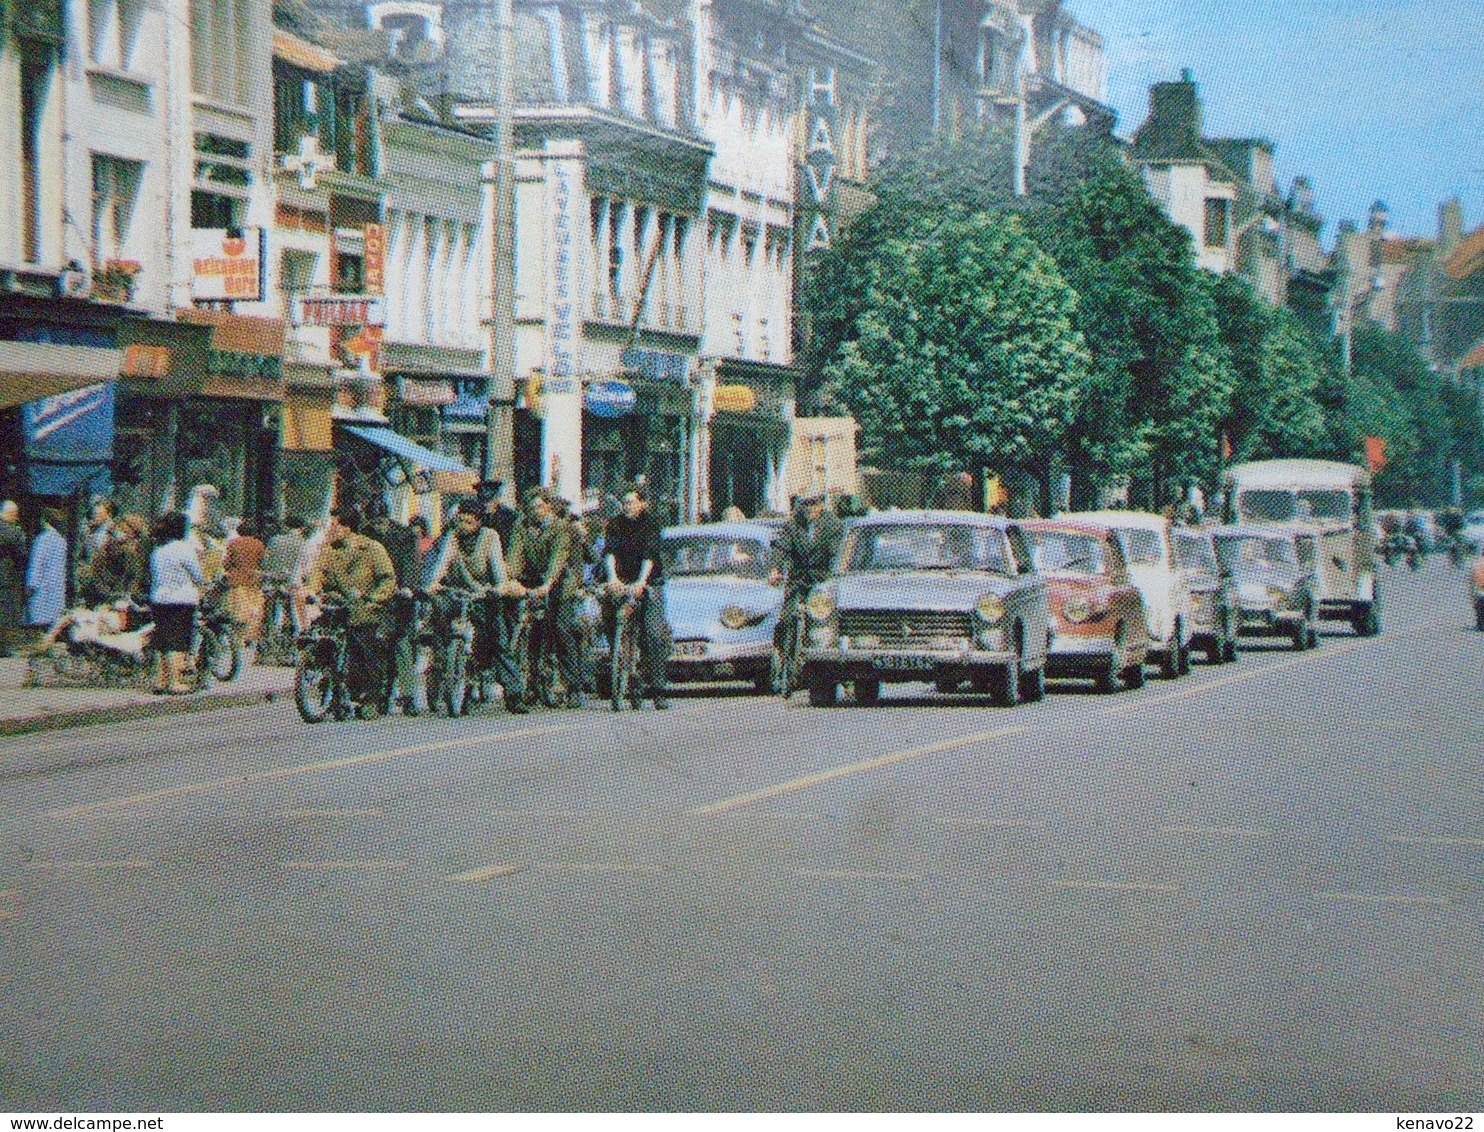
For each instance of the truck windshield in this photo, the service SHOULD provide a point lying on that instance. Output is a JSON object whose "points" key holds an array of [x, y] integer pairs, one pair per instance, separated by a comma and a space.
{"points": [[1288, 506]]}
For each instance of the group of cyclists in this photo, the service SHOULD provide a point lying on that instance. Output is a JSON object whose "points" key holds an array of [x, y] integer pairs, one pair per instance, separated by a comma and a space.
{"points": [[505, 590]]}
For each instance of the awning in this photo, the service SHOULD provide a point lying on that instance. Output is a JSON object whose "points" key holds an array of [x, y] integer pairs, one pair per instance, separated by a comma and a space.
{"points": [[450, 475], [32, 370]]}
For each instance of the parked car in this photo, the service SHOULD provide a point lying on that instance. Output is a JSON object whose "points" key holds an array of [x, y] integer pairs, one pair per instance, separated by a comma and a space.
{"points": [[1149, 550], [1332, 502], [1098, 628], [937, 596], [1276, 582], [1473, 531], [722, 610], [1476, 591], [1216, 611]]}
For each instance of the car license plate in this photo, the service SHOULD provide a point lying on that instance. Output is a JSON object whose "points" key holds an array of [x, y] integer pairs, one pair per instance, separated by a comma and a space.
{"points": [[902, 663], [690, 649]]}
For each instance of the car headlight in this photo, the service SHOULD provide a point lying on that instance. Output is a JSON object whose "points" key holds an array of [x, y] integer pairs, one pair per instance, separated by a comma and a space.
{"points": [[736, 617], [990, 608], [821, 603], [1278, 595], [1077, 610], [824, 636]]}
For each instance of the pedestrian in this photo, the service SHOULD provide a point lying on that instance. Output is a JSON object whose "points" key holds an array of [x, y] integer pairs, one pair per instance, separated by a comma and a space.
{"points": [[400, 543], [120, 568], [176, 578], [242, 566], [635, 560], [100, 527], [425, 541], [13, 552], [499, 516], [46, 573], [280, 557]]}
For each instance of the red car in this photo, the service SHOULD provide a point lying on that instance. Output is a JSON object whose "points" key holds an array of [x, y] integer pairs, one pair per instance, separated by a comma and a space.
{"points": [[1098, 629], [1476, 590]]}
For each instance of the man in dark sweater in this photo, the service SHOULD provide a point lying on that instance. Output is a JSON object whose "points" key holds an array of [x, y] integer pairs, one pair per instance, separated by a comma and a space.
{"points": [[634, 557]]}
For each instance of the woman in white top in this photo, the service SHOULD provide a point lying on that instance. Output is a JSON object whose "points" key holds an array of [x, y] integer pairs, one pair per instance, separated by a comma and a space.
{"points": [[176, 579]]}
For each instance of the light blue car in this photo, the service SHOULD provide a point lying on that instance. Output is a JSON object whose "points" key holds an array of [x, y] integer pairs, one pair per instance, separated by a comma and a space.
{"points": [[722, 609]]}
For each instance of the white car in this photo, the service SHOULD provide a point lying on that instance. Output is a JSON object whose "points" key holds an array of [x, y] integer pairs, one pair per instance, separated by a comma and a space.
{"points": [[1473, 530], [1161, 581]]}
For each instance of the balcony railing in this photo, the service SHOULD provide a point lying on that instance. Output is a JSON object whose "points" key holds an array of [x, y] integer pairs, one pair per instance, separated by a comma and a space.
{"points": [[659, 314]]}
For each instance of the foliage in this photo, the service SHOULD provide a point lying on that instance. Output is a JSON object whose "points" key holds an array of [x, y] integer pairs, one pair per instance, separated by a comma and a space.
{"points": [[964, 351]]}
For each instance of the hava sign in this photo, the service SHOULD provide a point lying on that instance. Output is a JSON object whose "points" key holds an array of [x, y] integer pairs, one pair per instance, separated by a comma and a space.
{"points": [[227, 264], [818, 173]]}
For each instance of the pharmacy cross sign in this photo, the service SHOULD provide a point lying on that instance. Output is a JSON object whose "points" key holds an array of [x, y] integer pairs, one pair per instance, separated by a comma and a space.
{"points": [[309, 162]]}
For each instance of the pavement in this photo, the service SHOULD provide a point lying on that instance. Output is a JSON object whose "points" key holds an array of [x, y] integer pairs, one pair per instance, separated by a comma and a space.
{"points": [[24, 709]]}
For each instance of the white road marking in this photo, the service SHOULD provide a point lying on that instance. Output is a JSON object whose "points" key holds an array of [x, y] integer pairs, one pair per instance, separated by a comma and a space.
{"points": [[493, 872], [83, 866], [1380, 898], [1436, 840], [1215, 831], [1116, 886], [341, 866], [856, 874]]}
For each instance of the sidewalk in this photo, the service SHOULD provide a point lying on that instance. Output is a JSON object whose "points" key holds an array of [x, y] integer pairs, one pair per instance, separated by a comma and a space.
{"points": [[24, 710]]}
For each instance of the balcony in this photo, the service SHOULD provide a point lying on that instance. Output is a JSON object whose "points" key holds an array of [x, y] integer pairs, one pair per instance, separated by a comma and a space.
{"points": [[660, 315]]}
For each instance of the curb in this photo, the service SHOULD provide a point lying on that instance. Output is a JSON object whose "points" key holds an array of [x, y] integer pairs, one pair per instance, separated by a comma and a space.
{"points": [[62, 720]]}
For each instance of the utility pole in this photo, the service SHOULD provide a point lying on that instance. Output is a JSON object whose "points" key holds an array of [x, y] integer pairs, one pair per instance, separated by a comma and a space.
{"points": [[499, 455], [938, 66]]}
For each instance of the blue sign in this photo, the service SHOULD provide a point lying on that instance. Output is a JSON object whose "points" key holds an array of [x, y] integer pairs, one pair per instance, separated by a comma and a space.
{"points": [[471, 399], [69, 439], [611, 398], [658, 366]]}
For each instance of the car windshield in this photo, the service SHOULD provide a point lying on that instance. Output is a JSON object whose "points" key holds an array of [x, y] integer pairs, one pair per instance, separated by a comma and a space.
{"points": [[691, 555], [1239, 551], [1195, 553], [1143, 548], [1286, 506], [1066, 552], [898, 546]]}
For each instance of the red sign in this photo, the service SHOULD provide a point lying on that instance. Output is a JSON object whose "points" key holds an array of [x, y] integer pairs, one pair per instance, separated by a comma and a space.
{"points": [[146, 361], [1375, 453], [374, 263], [338, 310]]}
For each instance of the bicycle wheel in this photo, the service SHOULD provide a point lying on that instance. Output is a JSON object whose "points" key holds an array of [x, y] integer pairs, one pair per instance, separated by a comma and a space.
{"points": [[207, 645], [225, 659], [790, 661], [314, 688], [622, 662], [455, 691]]}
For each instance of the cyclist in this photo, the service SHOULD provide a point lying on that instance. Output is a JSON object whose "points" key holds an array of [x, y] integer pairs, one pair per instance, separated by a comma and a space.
{"points": [[469, 556], [635, 564], [357, 570], [542, 567], [803, 557]]}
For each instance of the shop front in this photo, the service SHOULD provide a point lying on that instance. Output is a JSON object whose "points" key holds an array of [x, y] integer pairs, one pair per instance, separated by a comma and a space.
{"points": [[634, 426], [751, 405]]}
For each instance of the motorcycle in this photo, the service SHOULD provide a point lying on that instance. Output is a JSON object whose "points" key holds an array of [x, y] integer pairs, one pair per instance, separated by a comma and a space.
{"points": [[110, 646]]}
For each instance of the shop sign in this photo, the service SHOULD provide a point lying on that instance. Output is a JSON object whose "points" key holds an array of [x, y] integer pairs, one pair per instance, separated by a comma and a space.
{"points": [[611, 399], [69, 436], [471, 399], [146, 362], [373, 264], [657, 366], [226, 363], [338, 310], [425, 393], [227, 264], [734, 399], [818, 173]]}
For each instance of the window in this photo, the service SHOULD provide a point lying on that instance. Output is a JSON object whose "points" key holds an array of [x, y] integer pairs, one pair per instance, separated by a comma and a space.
{"points": [[1066, 552], [913, 547], [221, 49], [1143, 548], [1218, 222], [213, 210], [115, 191], [113, 27], [37, 71]]}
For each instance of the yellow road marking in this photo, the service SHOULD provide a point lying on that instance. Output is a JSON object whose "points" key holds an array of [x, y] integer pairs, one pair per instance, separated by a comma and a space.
{"points": [[10, 894], [811, 780], [301, 814], [494, 872], [1380, 898], [1437, 840], [59, 866], [310, 768], [854, 874], [598, 867], [540, 815], [1214, 831], [10, 915], [1115, 886], [331, 866], [992, 823]]}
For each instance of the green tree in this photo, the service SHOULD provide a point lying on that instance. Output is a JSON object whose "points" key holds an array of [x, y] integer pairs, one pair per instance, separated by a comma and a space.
{"points": [[964, 353], [1392, 394], [1162, 379]]}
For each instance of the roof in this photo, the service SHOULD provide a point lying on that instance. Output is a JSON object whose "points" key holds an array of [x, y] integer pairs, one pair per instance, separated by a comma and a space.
{"points": [[1298, 474], [910, 518], [1467, 259], [1406, 250], [1474, 358], [1122, 520], [301, 53], [1255, 530], [762, 532], [1064, 523]]}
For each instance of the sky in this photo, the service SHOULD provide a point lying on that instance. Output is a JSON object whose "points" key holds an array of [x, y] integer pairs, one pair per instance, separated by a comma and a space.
{"points": [[1372, 99]]}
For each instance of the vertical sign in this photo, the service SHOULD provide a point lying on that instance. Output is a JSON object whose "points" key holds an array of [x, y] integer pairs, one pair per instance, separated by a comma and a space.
{"points": [[375, 259], [817, 176], [562, 389]]}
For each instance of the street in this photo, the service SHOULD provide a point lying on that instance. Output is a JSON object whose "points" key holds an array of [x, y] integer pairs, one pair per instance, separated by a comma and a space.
{"points": [[1258, 887]]}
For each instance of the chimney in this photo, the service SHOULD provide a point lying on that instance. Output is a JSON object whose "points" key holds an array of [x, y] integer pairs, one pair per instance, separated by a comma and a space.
{"points": [[1450, 225], [1380, 218], [1175, 111], [1303, 198]]}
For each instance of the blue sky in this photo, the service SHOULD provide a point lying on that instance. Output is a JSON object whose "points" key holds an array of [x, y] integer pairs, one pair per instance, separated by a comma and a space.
{"points": [[1370, 98]]}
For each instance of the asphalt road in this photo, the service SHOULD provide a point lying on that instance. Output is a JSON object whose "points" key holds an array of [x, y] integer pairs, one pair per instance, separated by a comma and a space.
{"points": [[1256, 888]]}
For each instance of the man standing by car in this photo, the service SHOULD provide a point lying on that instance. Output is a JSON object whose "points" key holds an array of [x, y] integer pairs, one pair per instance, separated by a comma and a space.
{"points": [[358, 571], [804, 555], [542, 568], [635, 562]]}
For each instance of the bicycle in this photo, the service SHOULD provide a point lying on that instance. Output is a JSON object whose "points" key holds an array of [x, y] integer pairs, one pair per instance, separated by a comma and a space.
{"points": [[623, 659], [320, 677], [534, 656], [219, 641], [787, 670], [452, 647], [276, 648]]}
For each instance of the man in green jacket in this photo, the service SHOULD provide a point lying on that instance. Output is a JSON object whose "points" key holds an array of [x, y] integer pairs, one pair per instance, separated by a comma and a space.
{"points": [[544, 567], [358, 571]]}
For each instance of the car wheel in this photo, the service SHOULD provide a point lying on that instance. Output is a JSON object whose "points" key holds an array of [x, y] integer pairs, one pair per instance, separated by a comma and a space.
{"points": [[947, 687], [823, 692], [1134, 676], [1229, 649], [1033, 686], [1004, 685], [1479, 614], [1182, 657], [1107, 681], [868, 692], [1367, 623], [1169, 664]]}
